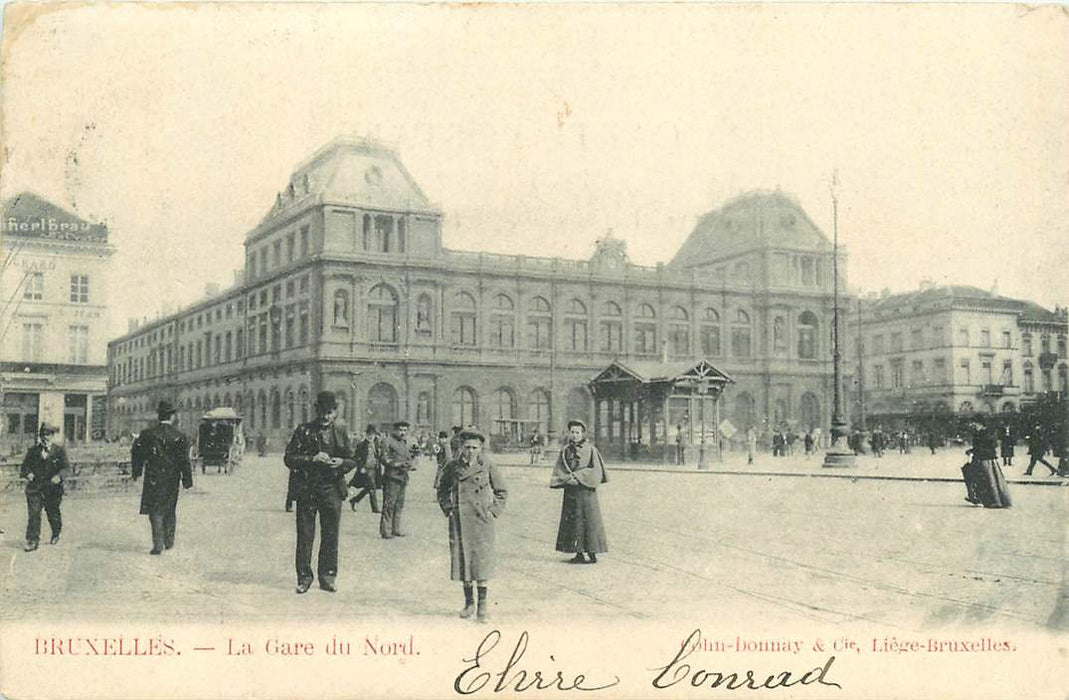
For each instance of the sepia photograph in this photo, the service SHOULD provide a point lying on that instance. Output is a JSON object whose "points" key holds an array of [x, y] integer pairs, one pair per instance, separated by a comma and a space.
{"points": [[624, 350]]}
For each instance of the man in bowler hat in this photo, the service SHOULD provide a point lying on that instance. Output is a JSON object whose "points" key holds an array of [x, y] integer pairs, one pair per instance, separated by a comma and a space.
{"points": [[161, 453], [319, 455], [44, 468], [395, 456]]}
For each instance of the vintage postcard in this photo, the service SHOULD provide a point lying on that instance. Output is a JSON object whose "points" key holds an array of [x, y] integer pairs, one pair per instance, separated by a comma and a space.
{"points": [[541, 350]]}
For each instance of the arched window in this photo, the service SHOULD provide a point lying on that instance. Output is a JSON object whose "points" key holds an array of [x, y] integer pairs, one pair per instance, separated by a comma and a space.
{"points": [[610, 328], [779, 335], [261, 400], [744, 411], [382, 405], [463, 319], [382, 314], [341, 309], [807, 336], [276, 410], [538, 410], [679, 332], [303, 400], [423, 315], [645, 330], [465, 407], [504, 412], [503, 323], [740, 335], [539, 324], [291, 415], [710, 332], [575, 326], [809, 409], [423, 410]]}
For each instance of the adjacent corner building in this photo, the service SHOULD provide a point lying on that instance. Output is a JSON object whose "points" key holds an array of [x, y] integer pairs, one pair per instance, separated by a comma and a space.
{"points": [[53, 322]]}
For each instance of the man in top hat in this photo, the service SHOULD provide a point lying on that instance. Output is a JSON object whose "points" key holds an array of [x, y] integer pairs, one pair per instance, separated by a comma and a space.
{"points": [[320, 455], [395, 456], [579, 471], [44, 468], [162, 454]]}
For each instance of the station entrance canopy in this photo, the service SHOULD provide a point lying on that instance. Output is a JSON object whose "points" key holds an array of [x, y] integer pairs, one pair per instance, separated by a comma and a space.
{"points": [[643, 411]]}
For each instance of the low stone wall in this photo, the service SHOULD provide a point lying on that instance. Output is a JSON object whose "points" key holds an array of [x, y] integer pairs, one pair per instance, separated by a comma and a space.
{"points": [[87, 477]]}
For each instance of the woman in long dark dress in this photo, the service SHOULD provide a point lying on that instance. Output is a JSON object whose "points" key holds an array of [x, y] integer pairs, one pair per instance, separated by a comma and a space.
{"points": [[579, 471], [984, 482]]}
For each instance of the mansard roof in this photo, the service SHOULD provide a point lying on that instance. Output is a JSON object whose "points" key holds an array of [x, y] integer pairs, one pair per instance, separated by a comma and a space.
{"points": [[757, 219], [353, 171], [32, 216], [966, 296]]}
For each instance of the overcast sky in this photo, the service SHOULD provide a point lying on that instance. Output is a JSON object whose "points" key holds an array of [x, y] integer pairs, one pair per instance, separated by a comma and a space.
{"points": [[537, 128]]}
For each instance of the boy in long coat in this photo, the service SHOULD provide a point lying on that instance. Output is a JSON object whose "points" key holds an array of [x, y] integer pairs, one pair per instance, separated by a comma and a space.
{"points": [[44, 468], [472, 494], [162, 454], [579, 471]]}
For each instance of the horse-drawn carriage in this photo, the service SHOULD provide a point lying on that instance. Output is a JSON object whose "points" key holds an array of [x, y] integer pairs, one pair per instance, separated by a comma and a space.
{"points": [[220, 440]]}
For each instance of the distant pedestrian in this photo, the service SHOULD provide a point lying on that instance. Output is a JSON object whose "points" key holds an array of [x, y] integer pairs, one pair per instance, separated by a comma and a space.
{"points": [[161, 453], [1006, 441], [320, 454], [367, 476], [536, 447], [579, 471], [443, 455], [261, 444], [44, 468], [933, 441], [472, 495], [1037, 450], [984, 482], [808, 442], [395, 455], [681, 445], [751, 444], [790, 439]]}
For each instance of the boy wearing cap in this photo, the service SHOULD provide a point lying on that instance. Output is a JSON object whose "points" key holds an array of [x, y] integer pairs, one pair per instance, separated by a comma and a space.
{"points": [[162, 454], [579, 471], [395, 456], [472, 494], [319, 455], [44, 468]]}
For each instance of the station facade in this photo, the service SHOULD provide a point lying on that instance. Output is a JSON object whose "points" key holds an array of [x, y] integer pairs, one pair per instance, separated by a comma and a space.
{"points": [[348, 287]]}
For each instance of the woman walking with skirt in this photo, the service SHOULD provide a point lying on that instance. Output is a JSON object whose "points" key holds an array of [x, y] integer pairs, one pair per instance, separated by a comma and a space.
{"points": [[579, 471], [472, 494], [985, 484]]}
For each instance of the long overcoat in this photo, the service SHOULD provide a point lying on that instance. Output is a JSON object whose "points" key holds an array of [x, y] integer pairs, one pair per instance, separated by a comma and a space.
{"points": [[579, 471], [314, 478], [472, 496], [162, 454], [44, 467]]}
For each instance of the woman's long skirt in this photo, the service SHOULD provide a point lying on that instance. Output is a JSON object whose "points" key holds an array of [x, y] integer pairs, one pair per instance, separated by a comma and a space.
{"points": [[581, 529], [985, 484]]}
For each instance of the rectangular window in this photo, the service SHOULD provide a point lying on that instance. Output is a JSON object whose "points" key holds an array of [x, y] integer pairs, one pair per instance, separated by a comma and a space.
{"points": [[937, 336], [917, 373], [1007, 373], [35, 286], [80, 289], [896, 342], [740, 342], [302, 287], [896, 375], [965, 373], [1007, 339], [963, 337], [986, 372], [611, 334], [239, 345], [502, 331], [291, 325], [302, 328], [940, 371], [710, 339], [33, 340], [877, 344], [290, 245], [218, 354], [877, 376], [252, 266], [1026, 345], [916, 339], [263, 333], [276, 293], [576, 330], [290, 289], [538, 330], [263, 260], [985, 338], [277, 250], [645, 339], [304, 241]]}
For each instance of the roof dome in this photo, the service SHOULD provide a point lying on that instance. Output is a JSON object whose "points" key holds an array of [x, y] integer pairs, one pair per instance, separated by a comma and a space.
{"points": [[753, 220]]}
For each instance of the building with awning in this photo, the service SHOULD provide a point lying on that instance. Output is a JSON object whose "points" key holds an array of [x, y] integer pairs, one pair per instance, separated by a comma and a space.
{"points": [[642, 407]]}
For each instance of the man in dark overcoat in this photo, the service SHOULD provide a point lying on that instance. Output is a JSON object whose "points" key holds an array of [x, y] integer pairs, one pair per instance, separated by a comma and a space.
{"points": [[320, 454], [579, 471], [44, 468], [366, 478], [395, 456], [161, 453]]}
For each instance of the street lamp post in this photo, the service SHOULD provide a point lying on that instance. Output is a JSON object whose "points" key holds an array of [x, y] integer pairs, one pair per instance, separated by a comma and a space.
{"points": [[838, 453], [703, 459]]}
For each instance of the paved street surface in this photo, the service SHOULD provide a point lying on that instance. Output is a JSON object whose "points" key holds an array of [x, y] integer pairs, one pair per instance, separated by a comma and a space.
{"points": [[888, 553]]}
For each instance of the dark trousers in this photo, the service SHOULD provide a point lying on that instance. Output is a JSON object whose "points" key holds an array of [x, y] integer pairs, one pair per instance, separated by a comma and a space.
{"points": [[393, 502], [1032, 459], [372, 495], [163, 522], [325, 502], [47, 498]]}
